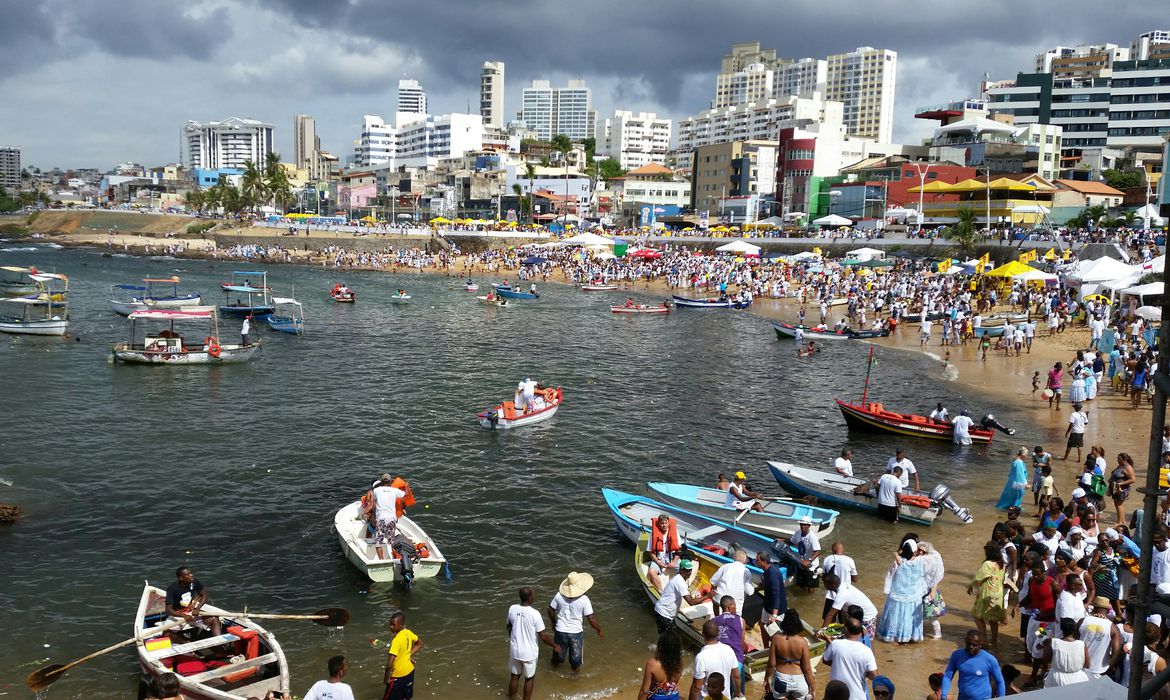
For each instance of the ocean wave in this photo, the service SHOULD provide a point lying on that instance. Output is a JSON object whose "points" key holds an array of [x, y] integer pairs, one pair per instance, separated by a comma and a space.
{"points": [[31, 249]]}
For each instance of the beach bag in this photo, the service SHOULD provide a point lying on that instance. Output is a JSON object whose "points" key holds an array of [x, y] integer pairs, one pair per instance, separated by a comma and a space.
{"points": [[1098, 485], [933, 606]]}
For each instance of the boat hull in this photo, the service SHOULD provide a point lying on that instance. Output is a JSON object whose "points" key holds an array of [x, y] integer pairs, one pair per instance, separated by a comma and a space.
{"points": [[779, 519], [509, 294], [598, 287], [684, 302], [868, 418], [838, 490], [493, 302], [352, 533], [229, 354], [502, 423], [17, 290], [253, 311], [400, 299], [48, 327], [987, 332], [286, 324], [640, 310]]}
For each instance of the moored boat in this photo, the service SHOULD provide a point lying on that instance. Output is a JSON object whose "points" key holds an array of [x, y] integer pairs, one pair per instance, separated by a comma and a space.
{"points": [[492, 300], [780, 517], [289, 316], [168, 347], [203, 663], [505, 415], [788, 330], [710, 303], [598, 287], [415, 546], [471, 287], [149, 296], [251, 300], [987, 332], [859, 494], [641, 309], [32, 316], [400, 298], [510, 293], [874, 416], [342, 294], [17, 281]]}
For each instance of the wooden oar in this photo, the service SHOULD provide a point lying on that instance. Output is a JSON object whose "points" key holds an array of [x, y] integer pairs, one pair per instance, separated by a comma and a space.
{"points": [[329, 617], [42, 678]]}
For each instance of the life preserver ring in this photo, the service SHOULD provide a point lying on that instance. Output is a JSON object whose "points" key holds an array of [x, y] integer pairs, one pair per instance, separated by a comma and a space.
{"points": [[213, 347], [550, 395], [424, 552]]}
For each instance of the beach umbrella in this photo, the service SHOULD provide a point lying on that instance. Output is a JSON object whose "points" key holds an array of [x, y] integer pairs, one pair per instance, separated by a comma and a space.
{"points": [[1150, 313], [534, 260]]}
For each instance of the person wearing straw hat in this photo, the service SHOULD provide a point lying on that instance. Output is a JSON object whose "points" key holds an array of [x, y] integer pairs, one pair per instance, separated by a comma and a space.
{"points": [[1102, 638], [569, 607]]}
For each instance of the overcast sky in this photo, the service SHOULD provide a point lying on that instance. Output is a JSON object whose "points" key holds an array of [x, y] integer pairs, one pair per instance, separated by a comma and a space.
{"points": [[99, 82]]}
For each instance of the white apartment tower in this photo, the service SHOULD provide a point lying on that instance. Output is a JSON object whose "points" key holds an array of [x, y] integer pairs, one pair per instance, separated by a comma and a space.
{"points": [[801, 76], [377, 144], [1155, 44], [226, 144], [491, 94], [550, 111], [10, 168], [752, 84], [634, 138], [412, 102], [863, 80]]}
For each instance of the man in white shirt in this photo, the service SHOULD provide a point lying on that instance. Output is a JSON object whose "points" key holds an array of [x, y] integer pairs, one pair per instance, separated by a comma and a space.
{"points": [[1102, 639], [566, 613], [1160, 566], [924, 332], [940, 414], [332, 689], [525, 630], [1077, 422], [674, 593], [384, 506], [733, 579], [841, 566], [962, 427], [888, 488], [901, 460], [807, 545], [529, 394], [846, 597], [245, 330], [715, 657], [739, 497], [851, 661], [844, 463]]}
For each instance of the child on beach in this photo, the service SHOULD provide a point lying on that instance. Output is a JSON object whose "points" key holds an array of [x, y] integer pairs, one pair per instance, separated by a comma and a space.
{"points": [[1036, 382], [1047, 489], [935, 682]]}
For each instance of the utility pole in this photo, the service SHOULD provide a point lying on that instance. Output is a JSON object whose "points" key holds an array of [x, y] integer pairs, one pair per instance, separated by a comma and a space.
{"points": [[921, 193], [987, 169]]}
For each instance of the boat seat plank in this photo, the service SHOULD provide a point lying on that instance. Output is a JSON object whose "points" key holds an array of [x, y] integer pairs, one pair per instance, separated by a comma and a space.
{"points": [[706, 497], [705, 532], [191, 646], [230, 669]]}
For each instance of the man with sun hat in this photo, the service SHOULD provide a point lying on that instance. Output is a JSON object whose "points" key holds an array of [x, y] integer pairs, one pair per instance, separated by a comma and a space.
{"points": [[566, 613]]}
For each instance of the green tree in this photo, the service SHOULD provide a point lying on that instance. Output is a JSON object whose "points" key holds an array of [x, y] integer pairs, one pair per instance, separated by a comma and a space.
{"points": [[276, 183], [252, 189], [194, 200], [963, 232], [611, 168], [1123, 179], [525, 201], [1095, 214], [563, 144]]}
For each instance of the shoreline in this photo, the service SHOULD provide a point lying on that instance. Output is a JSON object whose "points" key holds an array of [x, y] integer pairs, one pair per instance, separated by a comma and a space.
{"points": [[1112, 424]]}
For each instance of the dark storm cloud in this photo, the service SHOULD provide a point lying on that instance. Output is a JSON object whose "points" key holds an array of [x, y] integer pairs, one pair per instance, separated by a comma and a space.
{"points": [[148, 28], [27, 36]]}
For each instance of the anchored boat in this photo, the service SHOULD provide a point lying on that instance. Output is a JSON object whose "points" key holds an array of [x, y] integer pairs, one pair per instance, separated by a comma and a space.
{"points": [[413, 554], [506, 415], [250, 299], [162, 293], [710, 303], [289, 316], [169, 347], [780, 517], [33, 316]]}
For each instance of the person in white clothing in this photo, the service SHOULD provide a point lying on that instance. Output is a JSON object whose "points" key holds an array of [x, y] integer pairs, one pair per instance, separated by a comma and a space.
{"points": [[525, 632], [740, 497], [851, 662], [962, 429], [529, 394], [844, 463], [1160, 566], [733, 579], [245, 330], [888, 488], [940, 414], [1102, 638], [841, 566], [715, 657], [566, 613], [674, 593], [808, 550], [901, 460], [384, 506], [333, 688]]}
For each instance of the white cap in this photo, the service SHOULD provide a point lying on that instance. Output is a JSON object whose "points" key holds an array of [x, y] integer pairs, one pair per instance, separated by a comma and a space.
{"points": [[1078, 493]]}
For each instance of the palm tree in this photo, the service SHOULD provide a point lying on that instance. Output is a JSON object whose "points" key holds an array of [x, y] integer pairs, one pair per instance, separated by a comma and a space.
{"points": [[252, 189], [276, 182], [963, 233], [530, 173], [1095, 214], [194, 200]]}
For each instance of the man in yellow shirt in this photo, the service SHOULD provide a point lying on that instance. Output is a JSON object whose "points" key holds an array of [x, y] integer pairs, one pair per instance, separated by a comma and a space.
{"points": [[399, 676]]}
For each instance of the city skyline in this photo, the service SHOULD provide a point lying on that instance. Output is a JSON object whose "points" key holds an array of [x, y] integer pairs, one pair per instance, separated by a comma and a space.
{"points": [[159, 65]]}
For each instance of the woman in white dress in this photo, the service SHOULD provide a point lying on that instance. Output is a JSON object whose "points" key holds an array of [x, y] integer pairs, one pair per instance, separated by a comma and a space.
{"points": [[933, 606], [1067, 656]]}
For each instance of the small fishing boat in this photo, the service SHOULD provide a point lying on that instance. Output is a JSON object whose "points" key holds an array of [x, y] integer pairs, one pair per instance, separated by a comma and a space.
{"points": [[412, 545], [342, 294], [634, 516], [780, 517], [689, 619], [251, 300], [168, 347], [510, 293], [492, 301], [988, 332], [289, 316], [641, 309], [244, 662], [859, 494], [505, 415], [17, 281], [471, 287], [33, 316], [788, 330], [147, 295], [710, 303], [598, 287], [400, 298], [873, 416]]}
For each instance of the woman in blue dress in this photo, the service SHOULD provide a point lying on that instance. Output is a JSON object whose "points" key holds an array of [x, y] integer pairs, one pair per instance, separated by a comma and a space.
{"points": [[1013, 490], [902, 615]]}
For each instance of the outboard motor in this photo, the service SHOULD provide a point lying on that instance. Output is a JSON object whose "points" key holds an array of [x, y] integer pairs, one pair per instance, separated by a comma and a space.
{"points": [[803, 576], [407, 553], [493, 418], [988, 422], [940, 495]]}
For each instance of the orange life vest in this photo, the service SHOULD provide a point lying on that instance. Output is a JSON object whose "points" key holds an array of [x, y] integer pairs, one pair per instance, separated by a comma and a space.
{"points": [[663, 542], [403, 503], [250, 643]]}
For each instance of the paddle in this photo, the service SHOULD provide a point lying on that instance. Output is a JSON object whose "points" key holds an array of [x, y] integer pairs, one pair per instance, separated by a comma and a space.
{"points": [[328, 617], [42, 678]]}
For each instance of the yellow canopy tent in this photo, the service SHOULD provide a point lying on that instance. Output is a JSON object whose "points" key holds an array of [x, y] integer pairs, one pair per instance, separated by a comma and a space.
{"points": [[368, 219], [934, 186], [1006, 183], [1099, 298], [440, 220], [1010, 269], [971, 185]]}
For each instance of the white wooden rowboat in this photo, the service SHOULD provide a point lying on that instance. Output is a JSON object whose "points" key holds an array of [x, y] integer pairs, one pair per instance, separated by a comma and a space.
{"points": [[358, 545], [506, 416], [263, 668]]}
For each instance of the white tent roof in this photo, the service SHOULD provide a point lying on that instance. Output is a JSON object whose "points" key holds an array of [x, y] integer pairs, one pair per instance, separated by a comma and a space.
{"points": [[1158, 264], [739, 246], [589, 240], [1097, 689], [1034, 276], [775, 220], [833, 220], [977, 124], [1032, 209], [866, 254], [1122, 283], [1103, 269], [1145, 290], [806, 255], [1150, 212]]}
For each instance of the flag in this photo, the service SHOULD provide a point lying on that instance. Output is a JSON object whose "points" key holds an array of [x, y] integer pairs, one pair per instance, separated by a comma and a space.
{"points": [[1067, 254], [985, 259], [944, 265], [1051, 254], [817, 250], [979, 267]]}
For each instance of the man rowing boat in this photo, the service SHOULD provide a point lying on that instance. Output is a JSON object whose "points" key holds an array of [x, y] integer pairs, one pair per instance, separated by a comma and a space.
{"points": [[186, 598]]}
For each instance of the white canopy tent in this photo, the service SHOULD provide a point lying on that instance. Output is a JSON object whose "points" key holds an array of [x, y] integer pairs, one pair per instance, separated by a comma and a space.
{"points": [[1142, 291], [1158, 264], [866, 254], [1103, 269], [1150, 212], [739, 246], [806, 255], [1119, 284], [588, 240], [833, 220], [775, 220], [1035, 276]]}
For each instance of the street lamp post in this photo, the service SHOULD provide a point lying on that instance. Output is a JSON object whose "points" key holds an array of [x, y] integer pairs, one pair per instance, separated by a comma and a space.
{"points": [[921, 194]]}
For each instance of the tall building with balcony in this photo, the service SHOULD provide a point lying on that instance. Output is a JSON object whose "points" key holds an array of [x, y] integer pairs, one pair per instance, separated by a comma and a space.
{"points": [[759, 120], [226, 144], [863, 80], [800, 76], [752, 84], [550, 111], [491, 94], [423, 142], [733, 169], [10, 168], [1155, 44], [634, 139], [377, 143], [1089, 61]]}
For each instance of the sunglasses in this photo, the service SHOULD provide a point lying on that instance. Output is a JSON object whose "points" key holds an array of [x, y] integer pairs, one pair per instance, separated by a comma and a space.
{"points": [[881, 693]]}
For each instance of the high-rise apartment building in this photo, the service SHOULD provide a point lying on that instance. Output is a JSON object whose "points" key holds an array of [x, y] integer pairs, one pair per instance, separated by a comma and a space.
{"points": [[800, 76], [731, 169], [1155, 44], [1089, 61], [226, 144], [550, 111], [491, 94], [634, 138], [10, 168], [377, 143], [412, 102], [306, 143], [442, 136], [863, 80], [752, 84], [760, 120]]}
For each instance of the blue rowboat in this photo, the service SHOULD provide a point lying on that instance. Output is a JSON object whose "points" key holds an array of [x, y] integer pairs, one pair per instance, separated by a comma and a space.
{"points": [[988, 332], [712, 303], [509, 293], [291, 322], [634, 515], [780, 518], [259, 297]]}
